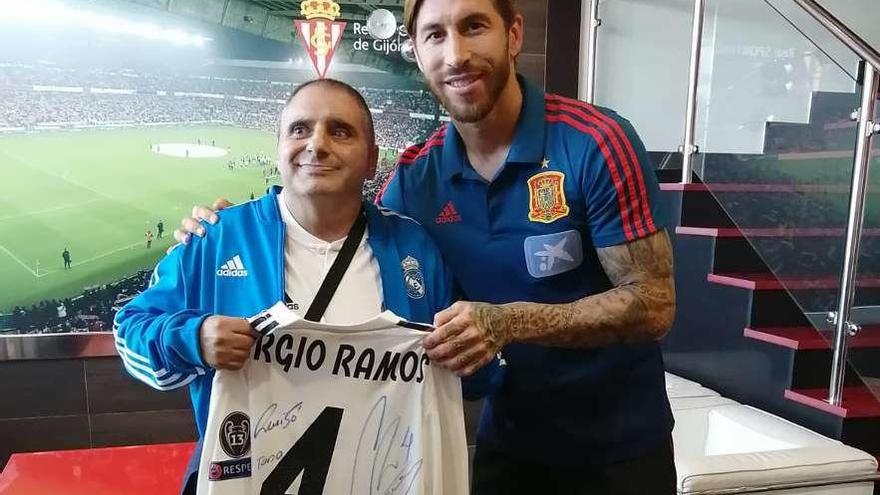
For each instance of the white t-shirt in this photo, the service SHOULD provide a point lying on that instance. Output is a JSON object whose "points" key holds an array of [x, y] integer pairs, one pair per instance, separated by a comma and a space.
{"points": [[335, 410], [307, 259]]}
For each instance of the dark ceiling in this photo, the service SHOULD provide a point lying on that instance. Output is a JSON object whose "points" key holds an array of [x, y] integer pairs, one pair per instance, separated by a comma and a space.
{"points": [[351, 10]]}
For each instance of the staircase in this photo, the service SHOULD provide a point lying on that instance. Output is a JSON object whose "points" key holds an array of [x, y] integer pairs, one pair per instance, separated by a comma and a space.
{"points": [[759, 248]]}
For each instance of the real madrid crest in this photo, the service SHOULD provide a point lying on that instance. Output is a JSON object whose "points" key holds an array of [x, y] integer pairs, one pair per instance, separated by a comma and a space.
{"points": [[412, 278], [547, 197]]}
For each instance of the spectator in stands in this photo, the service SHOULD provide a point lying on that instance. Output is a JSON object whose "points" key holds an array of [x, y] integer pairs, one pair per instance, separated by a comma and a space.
{"points": [[65, 255], [17, 317], [82, 312]]}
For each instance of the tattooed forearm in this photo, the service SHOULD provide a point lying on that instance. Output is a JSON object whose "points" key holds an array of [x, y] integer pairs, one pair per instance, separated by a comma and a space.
{"points": [[640, 308], [494, 321]]}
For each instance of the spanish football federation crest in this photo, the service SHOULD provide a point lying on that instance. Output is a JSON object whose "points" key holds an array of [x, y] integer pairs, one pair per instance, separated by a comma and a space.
{"points": [[547, 197], [319, 32], [412, 278]]}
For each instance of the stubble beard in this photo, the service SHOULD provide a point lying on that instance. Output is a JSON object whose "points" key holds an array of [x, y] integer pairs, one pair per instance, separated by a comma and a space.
{"points": [[495, 80]]}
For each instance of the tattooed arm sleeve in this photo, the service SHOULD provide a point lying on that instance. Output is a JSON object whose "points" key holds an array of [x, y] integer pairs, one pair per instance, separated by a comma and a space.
{"points": [[639, 308]]}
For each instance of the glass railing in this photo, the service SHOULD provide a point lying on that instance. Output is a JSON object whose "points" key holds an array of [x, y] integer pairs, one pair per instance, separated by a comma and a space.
{"points": [[642, 69], [776, 141], [778, 144], [759, 68]]}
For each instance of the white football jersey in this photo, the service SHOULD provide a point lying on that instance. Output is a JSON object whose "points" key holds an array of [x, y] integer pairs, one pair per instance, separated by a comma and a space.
{"points": [[335, 410]]}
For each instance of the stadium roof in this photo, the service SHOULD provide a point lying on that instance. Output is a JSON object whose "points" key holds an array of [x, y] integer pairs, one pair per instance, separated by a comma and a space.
{"points": [[273, 19], [351, 10], [268, 18]]}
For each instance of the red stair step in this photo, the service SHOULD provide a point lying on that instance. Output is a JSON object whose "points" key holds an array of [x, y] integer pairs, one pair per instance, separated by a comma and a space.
{"points": [[768, 281], [808, 338], [816, 155], [770, 232], [858, 402], [720, 187]]}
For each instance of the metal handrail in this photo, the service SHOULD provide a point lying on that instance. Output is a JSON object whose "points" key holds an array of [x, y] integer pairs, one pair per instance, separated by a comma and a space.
{"points": [[840, 31], [689, 147], [588, 50], [843, 327], [595, 22]]}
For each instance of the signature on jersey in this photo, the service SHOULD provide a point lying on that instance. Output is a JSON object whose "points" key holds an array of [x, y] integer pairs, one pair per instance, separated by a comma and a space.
{"points": [[272, 418], [384, 456]]}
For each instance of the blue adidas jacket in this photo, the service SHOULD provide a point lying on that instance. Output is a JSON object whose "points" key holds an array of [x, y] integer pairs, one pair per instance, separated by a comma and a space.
{"points": [[157, 332]]}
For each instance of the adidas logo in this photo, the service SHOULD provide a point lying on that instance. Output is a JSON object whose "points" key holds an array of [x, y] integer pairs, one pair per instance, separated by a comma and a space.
{"points": [[232, 268], [448, 214]]}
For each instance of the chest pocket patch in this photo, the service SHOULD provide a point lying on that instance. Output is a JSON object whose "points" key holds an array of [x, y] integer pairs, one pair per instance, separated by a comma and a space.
{"points": [[552, 254]]}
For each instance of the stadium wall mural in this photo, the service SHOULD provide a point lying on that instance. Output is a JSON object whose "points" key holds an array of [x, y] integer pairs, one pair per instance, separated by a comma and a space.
{"points": [[117, 115], [90, 91]]}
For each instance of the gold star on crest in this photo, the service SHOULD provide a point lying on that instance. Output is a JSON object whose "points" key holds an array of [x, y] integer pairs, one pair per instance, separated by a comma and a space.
{"points": [[545, 163]]}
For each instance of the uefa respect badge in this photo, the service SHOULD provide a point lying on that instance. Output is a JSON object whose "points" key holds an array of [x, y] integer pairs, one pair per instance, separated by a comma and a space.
{"points": [[320, 33]]}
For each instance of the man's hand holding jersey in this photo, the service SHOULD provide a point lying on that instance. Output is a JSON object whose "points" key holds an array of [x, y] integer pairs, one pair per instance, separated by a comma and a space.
{"points": [[466, 337], [190, 225], [226, 342]]}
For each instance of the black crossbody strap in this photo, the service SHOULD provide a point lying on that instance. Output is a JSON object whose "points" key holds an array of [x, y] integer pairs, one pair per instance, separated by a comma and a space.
{"points": [[337, 270]]}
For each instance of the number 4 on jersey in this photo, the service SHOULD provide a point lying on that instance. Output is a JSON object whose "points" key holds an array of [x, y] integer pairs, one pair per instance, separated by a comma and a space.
{"points": [[310, 455]]}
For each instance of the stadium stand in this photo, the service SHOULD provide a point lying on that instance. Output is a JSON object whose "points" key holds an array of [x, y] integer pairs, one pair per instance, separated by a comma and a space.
{"points": [[40, 97], [91, 311]]}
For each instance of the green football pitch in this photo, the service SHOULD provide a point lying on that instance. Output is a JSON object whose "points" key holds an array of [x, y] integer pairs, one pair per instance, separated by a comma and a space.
{"points": [[96, 192]]}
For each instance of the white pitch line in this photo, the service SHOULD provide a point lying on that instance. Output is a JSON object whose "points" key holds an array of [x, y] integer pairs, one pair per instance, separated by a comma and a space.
{"points": [[50, 210], [59, 176], [93, 258], [78, 263], [3, 248], [83, 186]]}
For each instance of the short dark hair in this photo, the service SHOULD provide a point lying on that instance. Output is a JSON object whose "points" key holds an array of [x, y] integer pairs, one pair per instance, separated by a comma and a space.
{"points": [[506, 8], [334, 83]]}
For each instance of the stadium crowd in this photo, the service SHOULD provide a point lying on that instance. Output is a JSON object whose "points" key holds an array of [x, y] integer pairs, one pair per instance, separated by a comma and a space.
{"points": [[396, 131], [91, 311], [26, 77], [32, 108], [404, 101], [29, 109]]}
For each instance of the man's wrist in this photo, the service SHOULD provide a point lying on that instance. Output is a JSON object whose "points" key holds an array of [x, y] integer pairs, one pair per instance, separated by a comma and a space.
{"points": [[202, 356], [515, 316], [528, 322], [501, 322]]}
